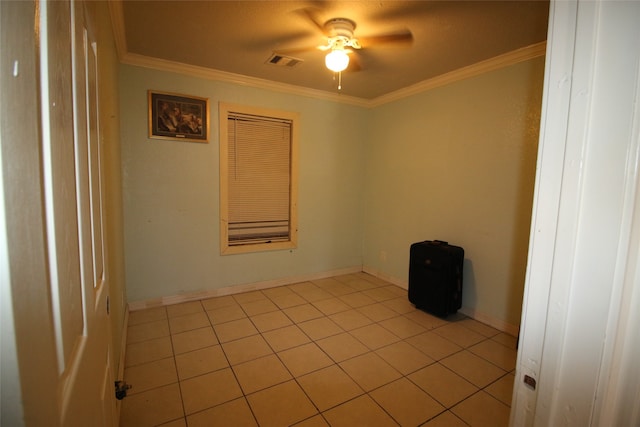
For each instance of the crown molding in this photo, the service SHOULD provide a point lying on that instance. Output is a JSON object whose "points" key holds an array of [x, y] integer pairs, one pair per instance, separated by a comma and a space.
{"points": [[498, 62], [501, 61], [491, 64], [238, 79]]}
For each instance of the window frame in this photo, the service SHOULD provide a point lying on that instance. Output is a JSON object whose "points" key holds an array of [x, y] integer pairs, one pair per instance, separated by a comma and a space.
{"points": [[224, 109]]}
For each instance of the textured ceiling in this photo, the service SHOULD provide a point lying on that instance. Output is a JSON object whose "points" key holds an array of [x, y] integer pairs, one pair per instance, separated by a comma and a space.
{"points": [[239, 37]]}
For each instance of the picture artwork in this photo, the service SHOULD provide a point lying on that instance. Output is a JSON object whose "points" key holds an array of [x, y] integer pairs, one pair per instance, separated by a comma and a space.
{"points": [[173, 116]]}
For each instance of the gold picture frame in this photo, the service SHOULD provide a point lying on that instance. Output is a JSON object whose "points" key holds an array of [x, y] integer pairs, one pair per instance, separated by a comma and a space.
{"points": [[178, 117]]}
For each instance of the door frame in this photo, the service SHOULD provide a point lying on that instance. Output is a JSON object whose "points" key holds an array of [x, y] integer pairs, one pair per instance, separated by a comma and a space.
{"points": [[581, 303]]}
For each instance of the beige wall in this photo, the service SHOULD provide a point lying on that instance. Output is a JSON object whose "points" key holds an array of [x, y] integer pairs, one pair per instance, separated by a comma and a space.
{"points": [[455, 163]]}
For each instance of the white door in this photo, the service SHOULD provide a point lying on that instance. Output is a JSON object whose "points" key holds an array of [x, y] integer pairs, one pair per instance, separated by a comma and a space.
{"points": [[74, 213], [579, 343]]}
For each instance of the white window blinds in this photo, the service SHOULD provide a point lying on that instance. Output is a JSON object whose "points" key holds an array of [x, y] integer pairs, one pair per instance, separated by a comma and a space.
{"points": [[259, 179]]}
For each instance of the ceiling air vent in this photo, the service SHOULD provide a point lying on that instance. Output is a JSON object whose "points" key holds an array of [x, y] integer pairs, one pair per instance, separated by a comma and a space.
{"points": [[283, 61]]}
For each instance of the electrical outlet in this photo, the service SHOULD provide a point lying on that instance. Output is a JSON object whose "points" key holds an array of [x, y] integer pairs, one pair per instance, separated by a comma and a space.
{"points": [[383, 256]]}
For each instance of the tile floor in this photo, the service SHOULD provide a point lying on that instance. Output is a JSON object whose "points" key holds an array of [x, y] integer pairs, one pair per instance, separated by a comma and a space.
{"points": [[343, 351]]}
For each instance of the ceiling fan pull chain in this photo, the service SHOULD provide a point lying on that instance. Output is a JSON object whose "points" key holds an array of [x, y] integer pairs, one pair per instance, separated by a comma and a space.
{"points": [[339, 80]]}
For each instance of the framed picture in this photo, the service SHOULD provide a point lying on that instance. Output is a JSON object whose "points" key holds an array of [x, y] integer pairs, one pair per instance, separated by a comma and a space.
{"points": [[178, 117]]}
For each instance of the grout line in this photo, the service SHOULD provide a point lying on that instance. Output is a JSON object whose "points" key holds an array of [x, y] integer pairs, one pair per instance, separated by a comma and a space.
{"points": [[390, 306]]}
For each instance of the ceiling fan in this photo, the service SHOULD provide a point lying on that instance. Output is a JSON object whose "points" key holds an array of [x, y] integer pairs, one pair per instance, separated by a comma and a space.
{"points": [[341, 42]]}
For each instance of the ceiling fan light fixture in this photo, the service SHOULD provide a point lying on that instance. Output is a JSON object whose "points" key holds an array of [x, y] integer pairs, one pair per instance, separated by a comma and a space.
{"points": [[337, 60]]}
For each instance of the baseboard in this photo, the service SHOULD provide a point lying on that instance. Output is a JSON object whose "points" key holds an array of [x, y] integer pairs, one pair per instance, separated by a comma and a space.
{"points": [[402, 283], [498, 324], [236, 289]]}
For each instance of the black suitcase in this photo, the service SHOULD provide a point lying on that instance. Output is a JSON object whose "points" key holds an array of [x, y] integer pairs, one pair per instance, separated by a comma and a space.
{"points": [[435, 277]]}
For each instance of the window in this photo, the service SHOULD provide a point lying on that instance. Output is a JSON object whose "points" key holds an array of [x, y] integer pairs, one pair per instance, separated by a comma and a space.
{"points": [[258, 179]]}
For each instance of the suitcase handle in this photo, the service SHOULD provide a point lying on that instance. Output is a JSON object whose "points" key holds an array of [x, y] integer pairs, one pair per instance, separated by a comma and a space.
{"points": [[441, 242]]}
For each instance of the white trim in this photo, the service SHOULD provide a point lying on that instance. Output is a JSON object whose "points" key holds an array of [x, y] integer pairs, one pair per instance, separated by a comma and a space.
{"points": [[227, 111], [618, 385], [580, 266], [236, 289], [402, 283], [126, 57], [498, 324], [618, 389], [238, 79], [492, 64], [544, 219]]}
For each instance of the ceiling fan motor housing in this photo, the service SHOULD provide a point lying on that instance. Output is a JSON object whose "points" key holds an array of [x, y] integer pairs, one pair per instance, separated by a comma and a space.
{"points": [[340, 33]]}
